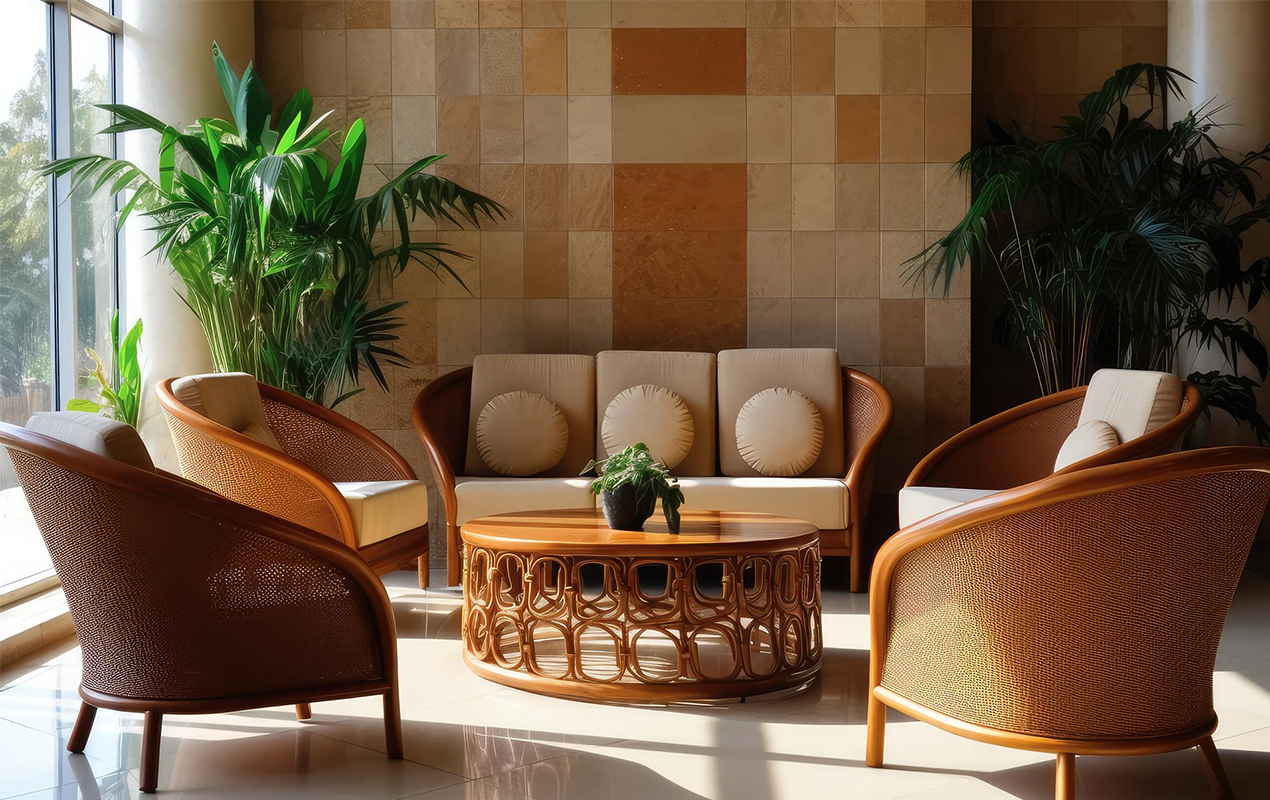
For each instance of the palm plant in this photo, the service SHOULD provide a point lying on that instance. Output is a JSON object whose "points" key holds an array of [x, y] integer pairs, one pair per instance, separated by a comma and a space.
{"points": [[278, 255], [119, 395], [1119, 232]]}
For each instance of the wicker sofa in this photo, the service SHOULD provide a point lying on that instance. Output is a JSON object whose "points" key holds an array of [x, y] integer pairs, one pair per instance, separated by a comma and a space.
{"points": [[833, 492]]}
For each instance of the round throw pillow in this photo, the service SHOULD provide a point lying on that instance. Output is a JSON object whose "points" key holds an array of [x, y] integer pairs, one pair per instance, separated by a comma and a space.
{"points": [[779, 432], [1089, 439], [521, 434], [654, 415]]}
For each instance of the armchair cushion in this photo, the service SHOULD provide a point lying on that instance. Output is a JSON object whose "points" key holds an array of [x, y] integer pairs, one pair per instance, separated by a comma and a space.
{"points": [[820, 501], [919, 502], [654, 415], [383, 509], [521, 434], [231, 399], [779, 432], [481, 497], [94, 433], [1089, 439], [1132, 402]]}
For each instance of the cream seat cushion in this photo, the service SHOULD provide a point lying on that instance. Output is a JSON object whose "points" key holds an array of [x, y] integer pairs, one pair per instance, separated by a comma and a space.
{"points": [[779, 432], [521, 434], [231, 399], [919, 502], [94, 433], [1088, 439], [653, 415], [820, 501], [481, 497], [383, 509], [1132, 402]]}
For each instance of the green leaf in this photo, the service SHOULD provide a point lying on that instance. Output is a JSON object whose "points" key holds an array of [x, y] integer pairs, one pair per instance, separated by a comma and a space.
{"points": [[80, 404]]}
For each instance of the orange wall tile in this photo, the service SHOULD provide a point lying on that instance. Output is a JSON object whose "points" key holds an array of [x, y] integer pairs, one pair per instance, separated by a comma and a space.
{"points": [[679, 61]]}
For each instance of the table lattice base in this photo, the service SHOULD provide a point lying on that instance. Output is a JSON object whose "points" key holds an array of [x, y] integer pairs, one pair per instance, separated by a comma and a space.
{"points": [[639, 629]]}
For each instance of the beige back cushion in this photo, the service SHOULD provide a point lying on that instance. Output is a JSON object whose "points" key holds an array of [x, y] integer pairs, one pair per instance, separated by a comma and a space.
{"points": [[566, 380], [689, 375], [1089, 439], [816, 373], [779, 432], [653, 415], [94, 433], [231, 399], [1132, 402], [521, 434]]}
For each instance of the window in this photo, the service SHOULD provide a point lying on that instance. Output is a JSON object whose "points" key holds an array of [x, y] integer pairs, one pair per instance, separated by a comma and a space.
{"points": [[59, 275]]}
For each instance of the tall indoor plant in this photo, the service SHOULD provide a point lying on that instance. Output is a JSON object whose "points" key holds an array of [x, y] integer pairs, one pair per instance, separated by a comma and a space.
{"points": [[278, 255], [1119, 232]]}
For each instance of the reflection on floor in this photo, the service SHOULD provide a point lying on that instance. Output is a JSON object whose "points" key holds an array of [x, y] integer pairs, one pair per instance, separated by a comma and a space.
{"points": [[466, 738]]}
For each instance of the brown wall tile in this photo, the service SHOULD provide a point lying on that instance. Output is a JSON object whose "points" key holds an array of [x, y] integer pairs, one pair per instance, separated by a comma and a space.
{"points": [[858, 127], [367, 13], [679, 197], [546, 197], [903, 330], [813, 68], [458, 129], [903, 64], [902, 127], [678, 61], [546, 264], [679, 264], [704, 324], [546, 61], [543, 13]]}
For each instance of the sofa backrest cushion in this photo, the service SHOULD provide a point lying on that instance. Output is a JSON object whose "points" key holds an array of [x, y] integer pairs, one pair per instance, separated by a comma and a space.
{"points": [[231, 399], [566, 380], [94, 433], [1132, 402], [816, 373], [689, 375]]}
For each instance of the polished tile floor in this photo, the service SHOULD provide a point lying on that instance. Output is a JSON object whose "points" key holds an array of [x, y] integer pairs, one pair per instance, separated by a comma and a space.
{"points": [[466, 738]]}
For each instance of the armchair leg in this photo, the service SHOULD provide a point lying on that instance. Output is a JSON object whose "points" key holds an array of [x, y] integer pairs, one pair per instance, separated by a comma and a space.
{"points": [[83, 727], [423, 571], [876, 732], [1213, 768], [859, 582], [392, 723], [303, 712], [151, 735], [1065, 777]]}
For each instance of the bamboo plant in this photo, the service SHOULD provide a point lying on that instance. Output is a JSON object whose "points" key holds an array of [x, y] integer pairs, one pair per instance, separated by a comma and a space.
{"points": [[280, 258]]}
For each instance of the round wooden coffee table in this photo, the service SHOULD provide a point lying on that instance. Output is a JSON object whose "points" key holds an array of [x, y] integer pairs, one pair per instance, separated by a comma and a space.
{"points": [[556, 602]]}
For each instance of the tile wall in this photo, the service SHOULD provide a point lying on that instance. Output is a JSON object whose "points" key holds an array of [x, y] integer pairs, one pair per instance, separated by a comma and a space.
{"points": [[683, 174]]}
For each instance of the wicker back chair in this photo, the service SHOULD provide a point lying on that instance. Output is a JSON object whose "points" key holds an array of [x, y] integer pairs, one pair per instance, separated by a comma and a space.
{"points": [[319, 448], [187, 603], [1079, 614]]}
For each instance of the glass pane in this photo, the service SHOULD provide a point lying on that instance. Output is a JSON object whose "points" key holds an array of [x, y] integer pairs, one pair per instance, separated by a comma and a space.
{"points": [[94, 227], [26, 347]]}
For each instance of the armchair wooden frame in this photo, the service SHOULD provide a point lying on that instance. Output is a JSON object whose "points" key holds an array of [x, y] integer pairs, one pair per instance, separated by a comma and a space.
{"points": [[170, 494], [297, 483], [1019, 445], [442, 410], [1086, 691]]}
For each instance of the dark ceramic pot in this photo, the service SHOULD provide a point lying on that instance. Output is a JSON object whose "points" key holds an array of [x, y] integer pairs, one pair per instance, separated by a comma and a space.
{"points": [[622, 512]]}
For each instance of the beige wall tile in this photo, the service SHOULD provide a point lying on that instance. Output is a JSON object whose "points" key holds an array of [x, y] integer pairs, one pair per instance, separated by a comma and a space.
{"points": [[812, 129], [458, 129], [813, 264], [895, 278], [500, 13], [1144, 13], [769, 263], [767, 13], [902, 118], [458, 331], [589, 13], [458, 61], [502, 128], [376, 113], [546, 61], [947, 197], [1098, 53], [768, 129], [369, 62], [468, 269], [903, 60], [668, 129], [813, 196], [812, 13], [858, 60], [590, 326], [546, 264], [502, 264], [414, 128], [457, 13], [768, 322], [859, 332], [767, 61], [678, 13], [947, 126], [543, 13], [769, 197], [590, 130], [1056, 14], [546, 197], [503, 325], [590, 61], [948, 60], [1099, 13], [813, 323], [857, 264], [590, 197], [1144, 45], [590, 264], [858, 13], [546, 130], [904, 13], [414, 62], [502, 61], [947, 333], [858, 197], [903, 326], [325, 62], [412, 13], [547, 326], [903, 202]]}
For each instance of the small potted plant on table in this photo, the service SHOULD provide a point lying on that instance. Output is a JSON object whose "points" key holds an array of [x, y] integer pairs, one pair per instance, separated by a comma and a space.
{"points": [[630, 484]]}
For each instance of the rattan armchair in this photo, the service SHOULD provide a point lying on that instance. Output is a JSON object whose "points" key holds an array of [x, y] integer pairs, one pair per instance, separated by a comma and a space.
{"points": [[187, 603], [1077, 615], [319, 448]]}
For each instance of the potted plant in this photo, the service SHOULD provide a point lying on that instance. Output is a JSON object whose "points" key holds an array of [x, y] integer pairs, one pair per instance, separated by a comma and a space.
{"points": [[117, 398], [281, 260], [630, 483]]}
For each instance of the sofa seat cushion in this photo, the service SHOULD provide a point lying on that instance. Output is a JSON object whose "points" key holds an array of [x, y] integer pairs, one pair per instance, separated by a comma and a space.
{"points": [[481, 497], [919, 502], [383, 509], [94, 433], [820, 501]]}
